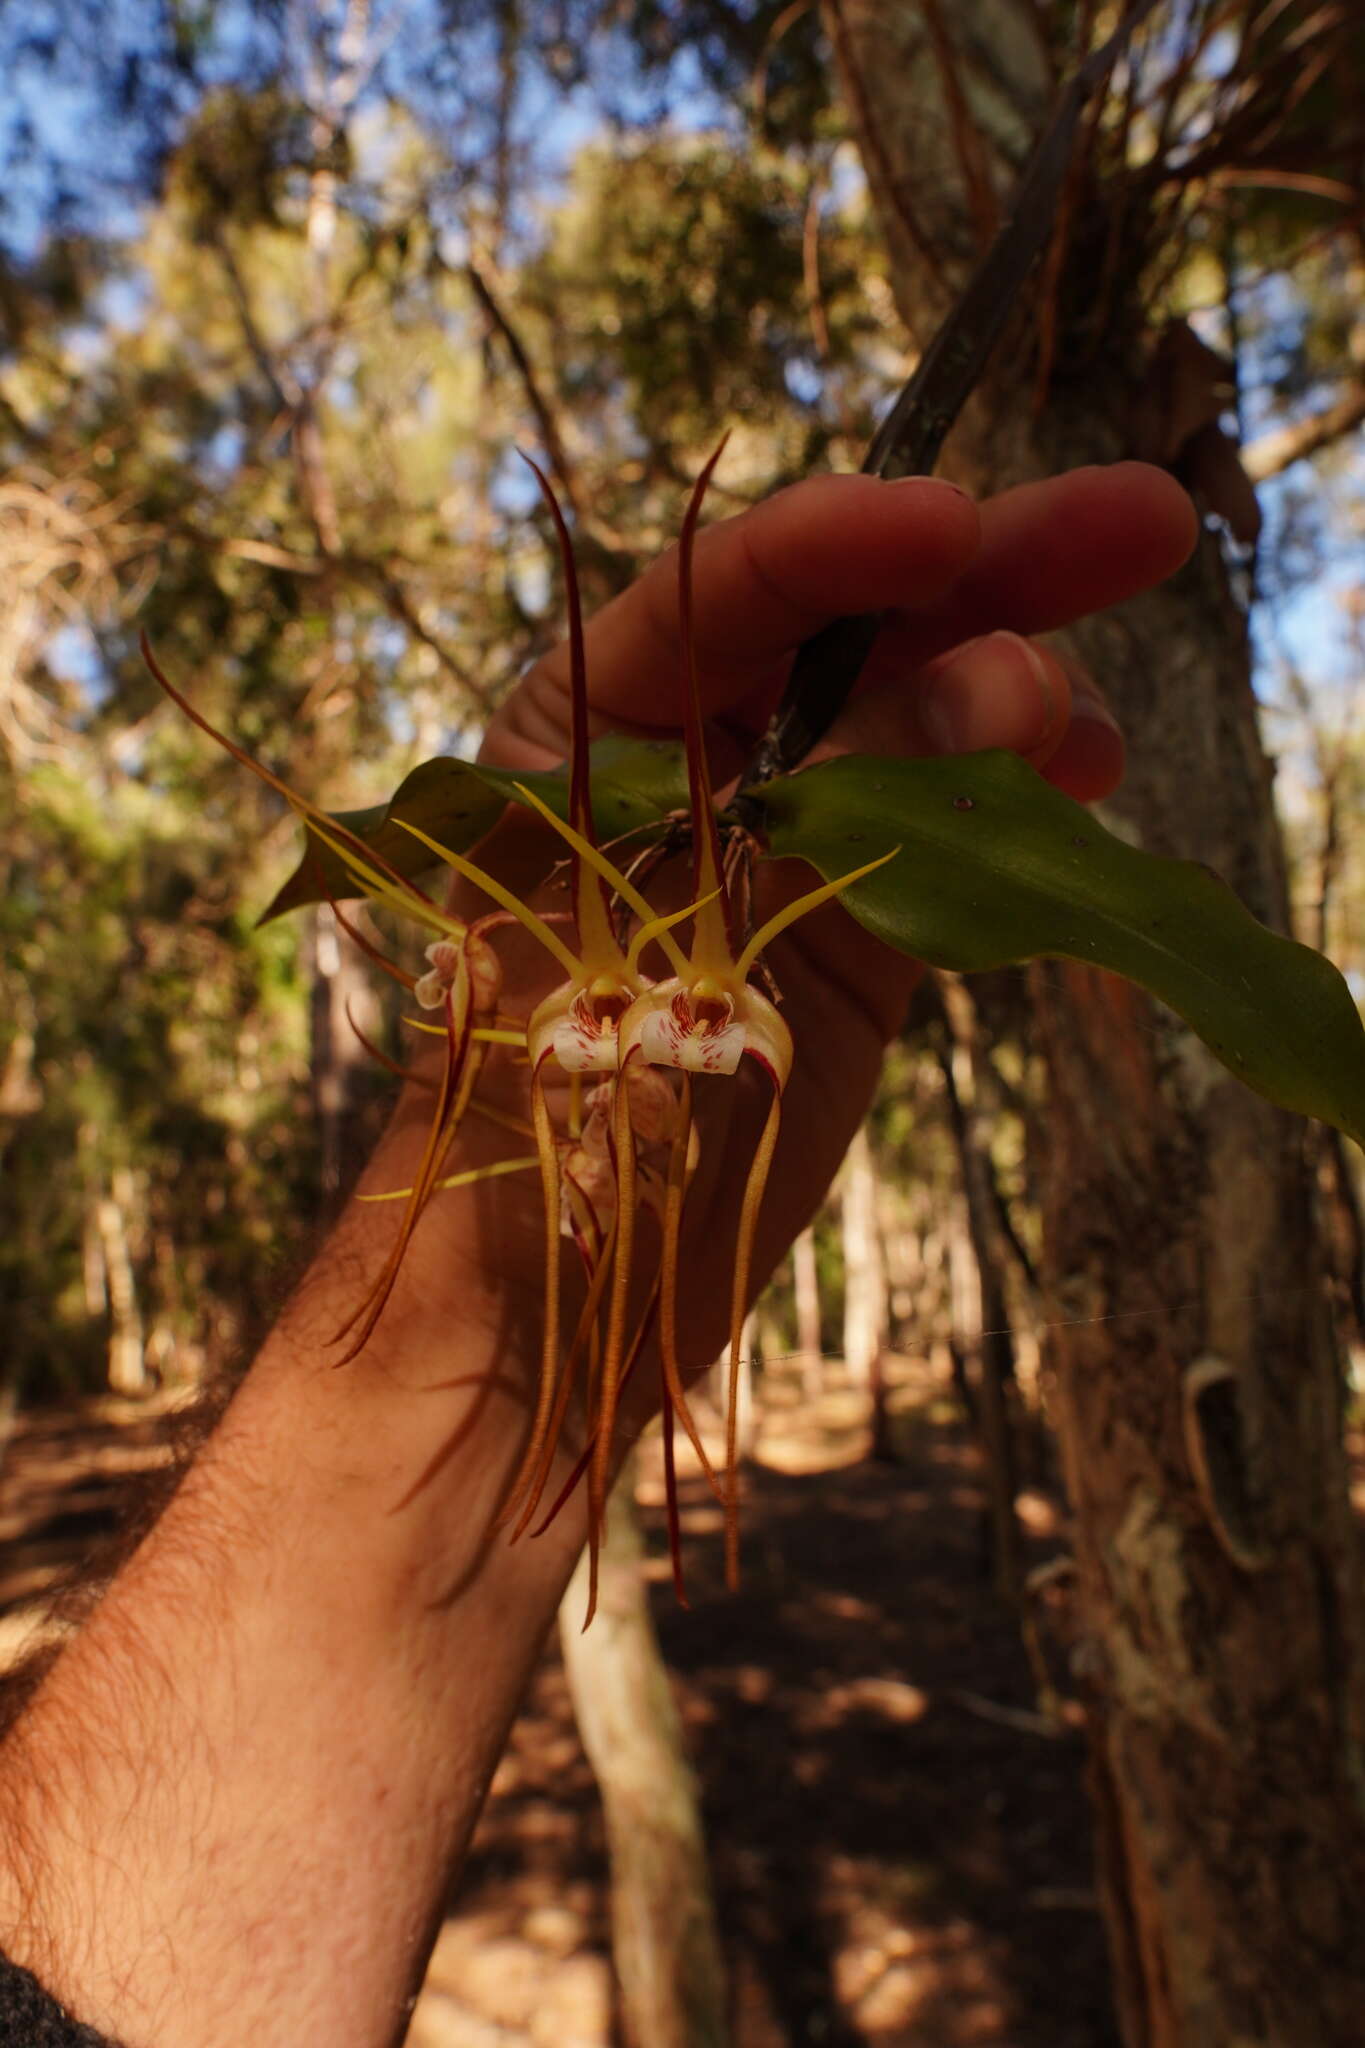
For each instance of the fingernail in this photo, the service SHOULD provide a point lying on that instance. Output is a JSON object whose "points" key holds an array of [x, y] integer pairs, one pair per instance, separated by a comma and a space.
{"points": [[928, 483], [992, 692], [1084, 706], [1089, 761]]}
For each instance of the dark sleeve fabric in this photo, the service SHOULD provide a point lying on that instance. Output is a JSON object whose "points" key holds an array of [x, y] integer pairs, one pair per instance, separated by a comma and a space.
{"points": [[29, 2018]]}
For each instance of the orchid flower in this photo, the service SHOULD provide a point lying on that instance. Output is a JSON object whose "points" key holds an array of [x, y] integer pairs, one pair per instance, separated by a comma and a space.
{"points": [[629, 1140], [588, 1192], [706, 1019]]}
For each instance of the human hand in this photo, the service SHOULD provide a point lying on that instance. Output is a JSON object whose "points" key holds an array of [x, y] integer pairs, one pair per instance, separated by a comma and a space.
{"points": [[334, 1541], [950, 673]]}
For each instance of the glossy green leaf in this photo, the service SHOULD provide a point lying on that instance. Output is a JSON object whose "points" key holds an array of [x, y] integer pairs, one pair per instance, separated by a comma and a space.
{"points": [[998, 867], [636, 786]]}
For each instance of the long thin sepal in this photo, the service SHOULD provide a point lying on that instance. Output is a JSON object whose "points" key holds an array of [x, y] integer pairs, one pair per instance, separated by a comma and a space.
{"points": [[655, 927], [384, 1059], [548, 1155], [671, 1499], [739, 1306], [587, 1321], [681, 1163], [591, 856], [810, 901], [456, 1084], [585, 1458], [590, 904], [580, 798], [315, 817], [491, 886], [470, 1178]]}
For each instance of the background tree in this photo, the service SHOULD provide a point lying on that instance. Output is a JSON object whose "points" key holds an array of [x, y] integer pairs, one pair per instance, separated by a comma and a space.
{"points": [[280, 292], [1201, 1442]]}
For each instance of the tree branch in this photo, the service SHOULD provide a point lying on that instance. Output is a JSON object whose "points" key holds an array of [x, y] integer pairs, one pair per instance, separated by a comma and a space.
{"points": [[1273, 453], [481, 282]]}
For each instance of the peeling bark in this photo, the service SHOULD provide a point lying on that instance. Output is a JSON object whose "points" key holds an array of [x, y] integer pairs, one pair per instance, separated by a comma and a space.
{"points": [[1197, 1391]]}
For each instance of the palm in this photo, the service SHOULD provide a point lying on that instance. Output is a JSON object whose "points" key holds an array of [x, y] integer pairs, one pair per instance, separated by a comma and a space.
{"points": [[1035, 559]]}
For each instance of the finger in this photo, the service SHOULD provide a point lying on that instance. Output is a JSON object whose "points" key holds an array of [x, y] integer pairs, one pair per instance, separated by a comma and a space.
{"points": [[997, 691], [1040, 556], [762, 583], [1088, 760], [1051, 553]]}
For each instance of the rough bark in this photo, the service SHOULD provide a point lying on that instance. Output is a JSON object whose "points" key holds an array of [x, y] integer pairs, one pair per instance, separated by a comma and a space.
{"points": [[994, 1347], [1197, 1391], [665, 1946]]}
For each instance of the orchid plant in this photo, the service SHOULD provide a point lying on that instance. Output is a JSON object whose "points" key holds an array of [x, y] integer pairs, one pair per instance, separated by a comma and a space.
{"points": [[970, 863]]}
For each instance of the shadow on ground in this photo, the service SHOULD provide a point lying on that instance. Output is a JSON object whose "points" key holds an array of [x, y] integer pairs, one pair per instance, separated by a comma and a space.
{"points": [[899, 1841]]}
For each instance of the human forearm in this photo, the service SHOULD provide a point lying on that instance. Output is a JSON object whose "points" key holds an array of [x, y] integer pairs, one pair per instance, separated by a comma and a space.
{"points": [[235, 1804]]}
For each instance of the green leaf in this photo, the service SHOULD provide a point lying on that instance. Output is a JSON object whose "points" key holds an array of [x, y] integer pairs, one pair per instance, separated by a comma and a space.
{"points": [[636, 786], [998, 867]]}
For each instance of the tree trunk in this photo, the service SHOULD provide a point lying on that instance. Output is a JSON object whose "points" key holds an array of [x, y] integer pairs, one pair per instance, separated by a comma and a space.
{"points": [[1197, 1389], [806, 1289], [994, 1348], [341, 991], [864, 1268], [127, 1362], [664, 1941]]}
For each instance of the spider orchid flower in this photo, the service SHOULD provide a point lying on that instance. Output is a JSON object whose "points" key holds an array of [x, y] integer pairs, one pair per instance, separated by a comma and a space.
{"points": [[574, 1029], [706, 1019]]}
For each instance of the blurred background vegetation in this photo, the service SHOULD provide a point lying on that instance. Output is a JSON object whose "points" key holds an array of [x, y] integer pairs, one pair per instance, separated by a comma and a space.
{"points": [[282, 289]]}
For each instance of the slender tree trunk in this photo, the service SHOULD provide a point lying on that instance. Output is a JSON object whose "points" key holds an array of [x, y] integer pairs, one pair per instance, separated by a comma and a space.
{"points": [[994, 1347], [806, 1289], [341, 991], [127, 1363], [1198, 1394], [92, 1260], [664, 1941], [864, 1268]]}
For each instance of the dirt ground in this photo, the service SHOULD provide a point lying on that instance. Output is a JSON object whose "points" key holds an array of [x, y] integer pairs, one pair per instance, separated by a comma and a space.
{"points": [[898, 1837]]}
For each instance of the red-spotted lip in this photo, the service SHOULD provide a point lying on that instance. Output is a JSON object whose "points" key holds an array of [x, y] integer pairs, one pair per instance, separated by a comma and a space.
{"points": [[577, 1030], [667, 1028]]}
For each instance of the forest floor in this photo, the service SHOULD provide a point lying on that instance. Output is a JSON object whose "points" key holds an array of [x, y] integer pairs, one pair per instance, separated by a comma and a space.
{"points": [[898, 1834]]}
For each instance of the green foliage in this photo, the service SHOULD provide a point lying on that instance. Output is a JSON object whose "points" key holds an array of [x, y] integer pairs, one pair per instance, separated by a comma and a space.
{"points": [[162, 1045], [636, 785], [997, 867]]}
